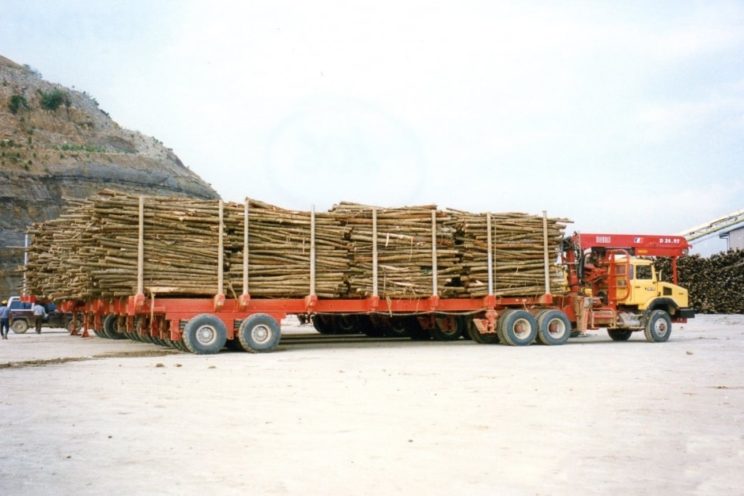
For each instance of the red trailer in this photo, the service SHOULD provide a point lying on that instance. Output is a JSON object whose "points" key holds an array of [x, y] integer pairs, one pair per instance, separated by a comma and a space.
{"points": [[602, 272]]}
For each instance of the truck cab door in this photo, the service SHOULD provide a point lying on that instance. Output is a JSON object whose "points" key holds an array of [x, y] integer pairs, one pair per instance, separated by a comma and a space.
{"points": [[643, 286]]}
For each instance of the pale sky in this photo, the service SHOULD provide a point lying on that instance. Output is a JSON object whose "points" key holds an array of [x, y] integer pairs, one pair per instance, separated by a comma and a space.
{"points": [[624, 116]]}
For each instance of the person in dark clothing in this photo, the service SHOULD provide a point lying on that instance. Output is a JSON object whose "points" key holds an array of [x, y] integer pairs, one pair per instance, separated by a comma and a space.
{"points": [[39, 316], [4, 319]]}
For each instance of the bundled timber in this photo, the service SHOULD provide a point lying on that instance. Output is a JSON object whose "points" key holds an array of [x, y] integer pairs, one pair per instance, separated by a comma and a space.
{"points": [[404, 247], [715, 283], [518, 257], [197, 248], [279, 252]]}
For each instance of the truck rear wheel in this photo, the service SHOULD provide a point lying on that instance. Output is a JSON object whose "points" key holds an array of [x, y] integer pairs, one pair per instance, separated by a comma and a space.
{"points": [[259, 333], [205, 334], [619, 334], [19, 326], [518, 327], [658, 327], [553, 327]]}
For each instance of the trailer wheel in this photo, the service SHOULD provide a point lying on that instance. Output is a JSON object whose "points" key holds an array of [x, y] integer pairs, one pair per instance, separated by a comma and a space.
{"points": [[110, 327], [368, 327], [518, 327], [19, 326], [415, 331], [475, 335], [205, 334], [259, 333], [619, 334], [447, 329], [658, 327], [553, 327], [344, 324], [322, 324], [397, 328]]}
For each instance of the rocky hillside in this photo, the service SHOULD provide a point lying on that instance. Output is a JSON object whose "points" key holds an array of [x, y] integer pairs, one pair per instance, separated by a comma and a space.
{"points": [[56, 143]]}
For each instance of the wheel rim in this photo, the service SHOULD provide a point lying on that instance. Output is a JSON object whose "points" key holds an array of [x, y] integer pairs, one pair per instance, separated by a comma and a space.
{"points": [[661, 327], [521, 328], [261, 334], [557, 328], [206, 335]]}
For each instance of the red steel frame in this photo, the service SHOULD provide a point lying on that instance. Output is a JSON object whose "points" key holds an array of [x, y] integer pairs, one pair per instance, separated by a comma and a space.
{"points": [[174, 310]]}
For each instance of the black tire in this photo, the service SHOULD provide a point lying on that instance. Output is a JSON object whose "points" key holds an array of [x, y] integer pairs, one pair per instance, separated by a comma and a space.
{"points": [[322, 324], [397, 327], [205, 334], [475, 335], [553, 327], [259, 333], [619, 334], [518, 328], [658, 327], [415, 331], [441, 333], [344, 324], [368, 327], [110, 328]]}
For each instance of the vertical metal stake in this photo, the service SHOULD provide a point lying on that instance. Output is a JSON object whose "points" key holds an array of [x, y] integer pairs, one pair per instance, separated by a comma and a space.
{"points": [[221, 253], [375, 286], [490, 254], [246, 218], [25, 265], [312, 251], [434, 289], [545, 252], [141, 248]]}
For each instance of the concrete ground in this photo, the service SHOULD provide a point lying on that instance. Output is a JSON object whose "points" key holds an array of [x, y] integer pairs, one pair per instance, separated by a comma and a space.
{"points": [[94, 416]]}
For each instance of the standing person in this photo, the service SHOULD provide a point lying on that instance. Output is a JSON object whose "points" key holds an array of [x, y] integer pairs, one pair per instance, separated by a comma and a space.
{"points": [[4, 319], [39, 316]]}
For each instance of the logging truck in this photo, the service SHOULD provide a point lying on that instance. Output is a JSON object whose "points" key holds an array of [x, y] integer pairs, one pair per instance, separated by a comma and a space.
{"points": [[610, 283]]}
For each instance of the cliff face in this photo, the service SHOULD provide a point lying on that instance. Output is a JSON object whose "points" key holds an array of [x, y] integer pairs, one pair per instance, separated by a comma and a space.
{"points": [[56, 143]]}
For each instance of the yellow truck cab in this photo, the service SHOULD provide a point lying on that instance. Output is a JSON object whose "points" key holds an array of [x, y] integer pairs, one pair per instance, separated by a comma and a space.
{"points": [[639, 287]]}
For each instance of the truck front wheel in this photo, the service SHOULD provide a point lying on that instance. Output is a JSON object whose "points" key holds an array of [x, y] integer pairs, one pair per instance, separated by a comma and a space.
{"points": [[658, 327]]}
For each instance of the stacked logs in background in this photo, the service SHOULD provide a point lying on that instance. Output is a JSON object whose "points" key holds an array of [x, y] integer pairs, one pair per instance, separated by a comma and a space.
{"points": [[91, 251], [518, 255], [716, 283], [404, 245]]}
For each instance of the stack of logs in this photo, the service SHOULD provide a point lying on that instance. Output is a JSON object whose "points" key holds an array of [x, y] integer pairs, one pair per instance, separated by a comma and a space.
{"points": [[91, 251], [404, 251], [715, 283], [517, 253]]}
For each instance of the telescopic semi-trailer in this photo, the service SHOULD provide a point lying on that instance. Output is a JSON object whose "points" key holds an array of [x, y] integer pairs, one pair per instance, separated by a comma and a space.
{"points": [[611, 283]]}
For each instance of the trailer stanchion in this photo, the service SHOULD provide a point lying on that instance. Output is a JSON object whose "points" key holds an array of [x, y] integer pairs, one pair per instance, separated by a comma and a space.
{"points": [[545, 252], [245, 297], [219, 298]]}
